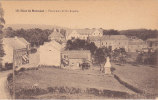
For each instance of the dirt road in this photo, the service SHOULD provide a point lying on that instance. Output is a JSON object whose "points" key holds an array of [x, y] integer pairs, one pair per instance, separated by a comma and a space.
{"points": [[4, 93]]}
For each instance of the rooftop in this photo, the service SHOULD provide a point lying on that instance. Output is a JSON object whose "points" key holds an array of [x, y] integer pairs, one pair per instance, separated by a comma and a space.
{"points": [[83, 31], [108, 37], [15, 43], [153, 39], [55, 34], [77, 54]]}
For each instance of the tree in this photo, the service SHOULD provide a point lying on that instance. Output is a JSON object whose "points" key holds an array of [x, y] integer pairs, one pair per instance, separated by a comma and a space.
{"points": [[35, 36], [2, 22], [9, 32], [63, 32], [110, 32], [100, 57], [143, 34], [119, 55], [147, 58], [78, 44], [92, 47]]}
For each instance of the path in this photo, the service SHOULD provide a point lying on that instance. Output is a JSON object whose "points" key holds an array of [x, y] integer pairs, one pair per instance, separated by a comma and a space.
{"points": [[4, 93]]}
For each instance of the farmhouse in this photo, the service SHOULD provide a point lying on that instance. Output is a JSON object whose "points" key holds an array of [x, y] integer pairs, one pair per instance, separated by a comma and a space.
{"points": [[56, 36], [83, 33], [74, 58], [17, 47], [112, 41], [136, 44], [50, 53], [152, 43]]}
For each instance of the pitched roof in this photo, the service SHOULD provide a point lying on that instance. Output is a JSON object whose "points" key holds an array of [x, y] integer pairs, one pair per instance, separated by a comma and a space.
{"points": [[55, 34], [83, 31], [153, 39], [77, 54], [15, 43], [24, 41], [108, 37], [136, 42], [52, 44]]}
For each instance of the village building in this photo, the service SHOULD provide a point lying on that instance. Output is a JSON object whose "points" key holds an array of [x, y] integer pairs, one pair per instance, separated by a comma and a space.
{"points": [[73, 59], [50, 53], [83, 33], [112, 41], [136, 45], [17, 48], [57, 36], [152, 43]]}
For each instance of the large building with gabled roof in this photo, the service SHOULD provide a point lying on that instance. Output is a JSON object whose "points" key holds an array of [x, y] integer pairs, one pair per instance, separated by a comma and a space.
{"points": [[15, 47], [83, 33], [113, 41]]}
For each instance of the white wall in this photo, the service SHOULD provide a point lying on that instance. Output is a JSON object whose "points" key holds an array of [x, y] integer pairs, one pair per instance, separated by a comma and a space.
{"points": [[49, 55]]}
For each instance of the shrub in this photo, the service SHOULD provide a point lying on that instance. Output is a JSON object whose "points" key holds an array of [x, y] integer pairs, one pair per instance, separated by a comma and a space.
{"points": [[64, 90], [117, 94], [113, 69], [10, 83], [1, 67], [33, 68], [8, 66], [33, 50], [10, 77], [51, 89], [22, 69], [31, 92], [93, 91], [75, 90]]}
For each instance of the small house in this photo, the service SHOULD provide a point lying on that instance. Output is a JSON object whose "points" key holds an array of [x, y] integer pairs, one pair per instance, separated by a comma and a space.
{"points": [[75, 58], [136, 45]]}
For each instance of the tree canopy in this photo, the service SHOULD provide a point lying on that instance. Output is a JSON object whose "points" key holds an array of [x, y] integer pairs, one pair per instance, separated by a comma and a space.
{"points": [[2, 22], [78, 44], [34, 36], [143, 34], [111, 32]]}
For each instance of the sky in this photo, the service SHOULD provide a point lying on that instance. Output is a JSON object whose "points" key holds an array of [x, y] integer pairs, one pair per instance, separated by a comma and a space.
{"points": [[107, 14]]}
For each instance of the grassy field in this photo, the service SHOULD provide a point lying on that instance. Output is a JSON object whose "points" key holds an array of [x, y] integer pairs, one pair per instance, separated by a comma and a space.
{"points": [[51, 82], [143, 77], [50, 77]]}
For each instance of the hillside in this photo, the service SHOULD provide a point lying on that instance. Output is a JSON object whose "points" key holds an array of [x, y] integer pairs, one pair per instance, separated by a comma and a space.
{"points": [[143, 34], [30, 26]]}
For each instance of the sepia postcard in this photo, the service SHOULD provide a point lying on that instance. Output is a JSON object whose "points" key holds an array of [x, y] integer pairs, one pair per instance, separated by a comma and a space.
{"points": [[79, 49]]}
